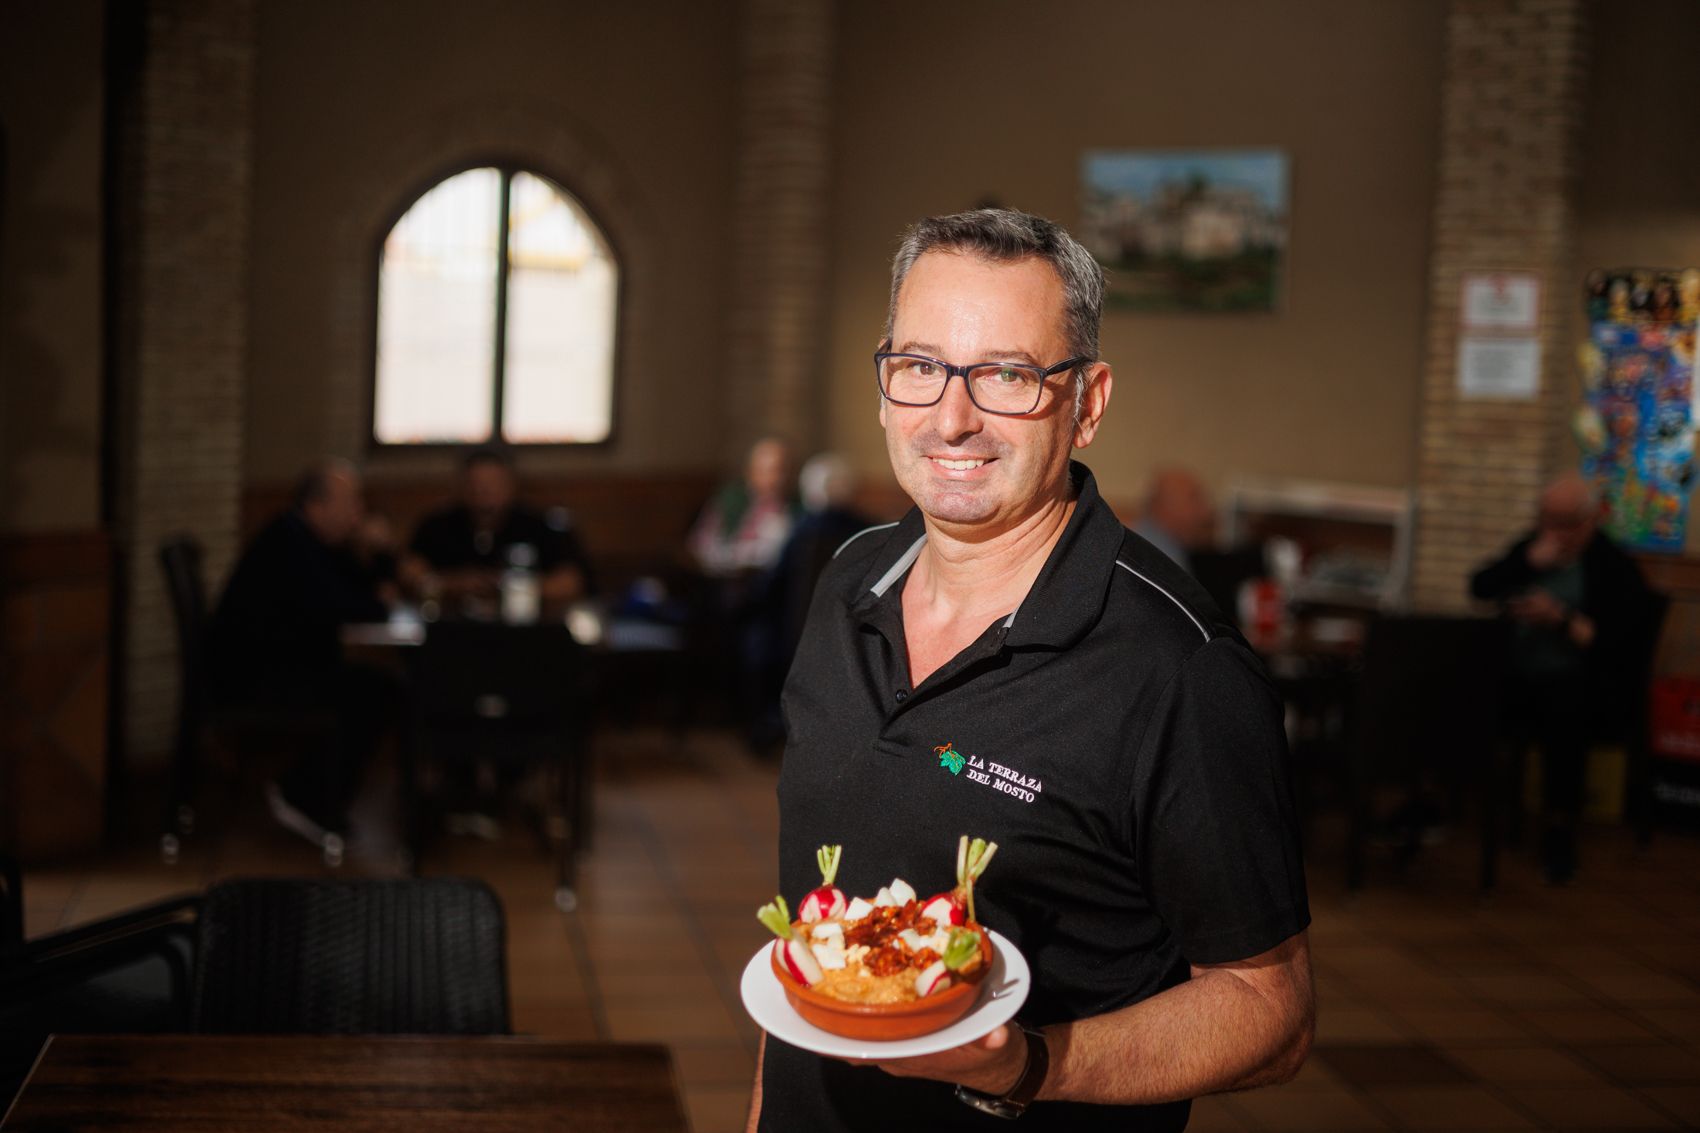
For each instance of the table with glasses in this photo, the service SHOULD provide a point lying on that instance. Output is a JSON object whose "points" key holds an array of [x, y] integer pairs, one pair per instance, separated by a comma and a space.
{"points": [[288, 1082]]}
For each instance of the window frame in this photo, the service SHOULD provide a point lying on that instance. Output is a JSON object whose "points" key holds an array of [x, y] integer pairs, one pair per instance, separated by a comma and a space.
{"points": [[507, 167]]}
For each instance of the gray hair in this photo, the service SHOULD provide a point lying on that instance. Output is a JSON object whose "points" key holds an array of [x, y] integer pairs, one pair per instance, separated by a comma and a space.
{"points": [[1005, 236]]}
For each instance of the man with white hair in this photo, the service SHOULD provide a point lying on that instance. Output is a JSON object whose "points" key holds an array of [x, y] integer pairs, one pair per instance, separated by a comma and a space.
{"points": [[1584, 616]]}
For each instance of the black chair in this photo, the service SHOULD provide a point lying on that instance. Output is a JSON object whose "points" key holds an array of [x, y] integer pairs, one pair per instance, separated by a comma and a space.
{"points": [[181, 560], [514, 695], [1425, 711], [129, 973], [390, 956]]}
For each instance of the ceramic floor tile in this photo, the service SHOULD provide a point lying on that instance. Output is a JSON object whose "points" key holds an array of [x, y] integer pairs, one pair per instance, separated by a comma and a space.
{"points": [[714, 1064], [696, 1021], [1580, 1024], [1316, 1111], [1526, 1065], [717, 1109], [1662, 1064], [1389, 1064], [1594, 1108], [1448, 1107], [1680, 1102], [1455, 1026]]}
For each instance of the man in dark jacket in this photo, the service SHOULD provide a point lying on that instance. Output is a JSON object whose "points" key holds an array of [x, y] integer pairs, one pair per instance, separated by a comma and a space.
{"points": [[1584, 619], [275, 643]]}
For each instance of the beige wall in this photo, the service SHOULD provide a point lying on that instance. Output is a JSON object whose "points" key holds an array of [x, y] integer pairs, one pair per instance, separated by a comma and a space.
{"points": [[1326, 387], [631, 106], [50, 266], [1640, 194]]}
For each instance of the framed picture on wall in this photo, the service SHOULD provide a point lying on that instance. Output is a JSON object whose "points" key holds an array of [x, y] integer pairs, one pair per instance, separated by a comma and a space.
{"points": [[1187, 230]]}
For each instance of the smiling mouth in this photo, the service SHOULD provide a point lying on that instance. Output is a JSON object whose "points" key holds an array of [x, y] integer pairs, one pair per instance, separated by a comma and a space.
{"points": [[965, 465]]}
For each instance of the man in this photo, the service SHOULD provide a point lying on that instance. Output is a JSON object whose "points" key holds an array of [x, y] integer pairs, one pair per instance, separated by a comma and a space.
{"points": [[275, 643], [1585, 620], [1121, 745], [458, 554], [1178, 518]]}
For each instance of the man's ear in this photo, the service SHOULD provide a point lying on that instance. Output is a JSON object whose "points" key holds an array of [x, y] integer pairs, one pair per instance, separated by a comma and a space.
{"points": [[1099, 381]]}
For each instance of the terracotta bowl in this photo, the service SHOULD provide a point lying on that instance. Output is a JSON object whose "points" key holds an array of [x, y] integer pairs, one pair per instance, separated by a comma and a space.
{"points": [[886, 1022]]}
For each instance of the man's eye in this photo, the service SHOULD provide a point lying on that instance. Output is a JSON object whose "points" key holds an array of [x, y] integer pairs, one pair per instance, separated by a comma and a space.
{"points": [[920, 369], [1010, 376]]}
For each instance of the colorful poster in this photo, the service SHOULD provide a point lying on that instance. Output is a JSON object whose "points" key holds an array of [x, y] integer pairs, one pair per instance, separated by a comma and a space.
{"points": [[1636, 424]]}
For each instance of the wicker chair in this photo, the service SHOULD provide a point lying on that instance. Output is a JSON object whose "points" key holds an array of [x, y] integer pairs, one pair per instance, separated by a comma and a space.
{"points": [[307, 956]]}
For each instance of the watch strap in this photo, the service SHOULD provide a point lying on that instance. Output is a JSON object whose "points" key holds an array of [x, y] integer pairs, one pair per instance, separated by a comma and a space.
{"points": [[1015, 1101]]}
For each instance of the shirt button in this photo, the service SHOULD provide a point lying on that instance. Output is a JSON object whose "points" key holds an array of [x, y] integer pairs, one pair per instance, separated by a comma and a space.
{"points": [[902, 695]]}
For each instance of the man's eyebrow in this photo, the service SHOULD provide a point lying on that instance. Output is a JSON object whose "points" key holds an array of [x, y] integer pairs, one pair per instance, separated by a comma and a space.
{"points": [[933, 350]]}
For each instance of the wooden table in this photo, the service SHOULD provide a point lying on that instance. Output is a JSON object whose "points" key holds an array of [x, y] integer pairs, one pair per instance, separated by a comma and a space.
{"points": [[208, 1082]]}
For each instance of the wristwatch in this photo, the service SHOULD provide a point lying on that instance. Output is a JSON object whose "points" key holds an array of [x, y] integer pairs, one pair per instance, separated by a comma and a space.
{"points": [[1014, 1103]]}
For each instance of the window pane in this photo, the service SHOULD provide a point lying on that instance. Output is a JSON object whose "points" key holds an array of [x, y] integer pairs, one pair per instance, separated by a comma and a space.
{"points": [[562, 283], [437, 314]]}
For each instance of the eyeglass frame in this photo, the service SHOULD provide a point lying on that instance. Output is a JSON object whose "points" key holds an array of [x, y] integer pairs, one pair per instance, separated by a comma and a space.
{"points": [[951, 371]]}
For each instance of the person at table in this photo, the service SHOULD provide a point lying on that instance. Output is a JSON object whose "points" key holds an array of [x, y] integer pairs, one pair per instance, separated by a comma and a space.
{"points": [[1148, 864], [459, 553], [274, 642], [1583, 615], [1178, 518], [741, 530]]}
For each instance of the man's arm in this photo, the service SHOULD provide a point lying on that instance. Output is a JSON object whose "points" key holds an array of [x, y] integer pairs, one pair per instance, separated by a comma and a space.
{"points": [[1505, 576], [1232, 1026]]}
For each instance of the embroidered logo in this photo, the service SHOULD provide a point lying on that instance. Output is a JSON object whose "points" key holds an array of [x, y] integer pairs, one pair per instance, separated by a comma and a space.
{"points": [[989, 774]]}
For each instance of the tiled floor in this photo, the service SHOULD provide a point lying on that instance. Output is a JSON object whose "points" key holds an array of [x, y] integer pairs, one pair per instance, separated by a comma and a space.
{"points": [[1563, 1009]]}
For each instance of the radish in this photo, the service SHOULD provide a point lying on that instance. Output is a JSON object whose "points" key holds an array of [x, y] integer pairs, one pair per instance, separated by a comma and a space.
{"points": [[827, 902], [945, 909], [794, 954], [957, 906], [901, 891], [857, 909], [934, 978]]}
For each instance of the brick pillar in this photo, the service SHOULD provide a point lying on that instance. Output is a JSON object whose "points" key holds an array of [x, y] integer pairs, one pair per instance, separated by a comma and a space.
{"points": [[779, 250], [1509, 156], [186, 155]]}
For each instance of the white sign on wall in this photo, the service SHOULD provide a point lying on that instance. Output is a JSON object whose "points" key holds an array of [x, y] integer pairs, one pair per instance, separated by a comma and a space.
{"points": [[1502, 301], [1499, 366]]}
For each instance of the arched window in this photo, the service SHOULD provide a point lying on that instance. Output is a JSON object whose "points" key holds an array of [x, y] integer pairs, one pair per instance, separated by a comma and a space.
{"points": [[497, 299]]}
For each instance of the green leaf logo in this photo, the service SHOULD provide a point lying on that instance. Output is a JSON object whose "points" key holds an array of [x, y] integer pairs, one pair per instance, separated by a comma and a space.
{"points": [[949, 758]]}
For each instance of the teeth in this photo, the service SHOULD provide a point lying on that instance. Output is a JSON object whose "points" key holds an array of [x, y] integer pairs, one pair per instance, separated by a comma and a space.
{"points": [[958, 465]]}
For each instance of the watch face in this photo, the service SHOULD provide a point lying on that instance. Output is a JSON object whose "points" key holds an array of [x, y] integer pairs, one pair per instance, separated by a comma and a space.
{"points": [[986, 1103]]}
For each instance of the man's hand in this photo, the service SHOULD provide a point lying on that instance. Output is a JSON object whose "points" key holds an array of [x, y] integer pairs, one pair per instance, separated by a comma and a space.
{"points": [[991, 1064], [1537, 608], [1544, 551]]}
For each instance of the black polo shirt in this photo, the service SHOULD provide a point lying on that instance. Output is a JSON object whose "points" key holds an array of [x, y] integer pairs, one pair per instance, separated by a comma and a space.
{"points": [[1118, 741], [450, 540]]}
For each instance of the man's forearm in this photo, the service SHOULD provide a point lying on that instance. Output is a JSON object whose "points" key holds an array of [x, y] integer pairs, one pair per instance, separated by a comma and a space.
{"points": [[1215, 1032]]}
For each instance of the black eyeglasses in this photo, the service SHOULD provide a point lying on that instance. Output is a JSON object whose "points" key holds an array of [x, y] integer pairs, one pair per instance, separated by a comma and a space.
{"points": [[1009, 389]]}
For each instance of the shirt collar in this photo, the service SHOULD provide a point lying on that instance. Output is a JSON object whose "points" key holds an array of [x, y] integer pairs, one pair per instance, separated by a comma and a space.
{"points": [[1066, 598]]}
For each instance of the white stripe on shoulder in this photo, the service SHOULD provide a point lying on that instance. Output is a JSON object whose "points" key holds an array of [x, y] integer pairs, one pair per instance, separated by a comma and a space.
{"points": [[859, 534], [1178, 604], [898, 567]]}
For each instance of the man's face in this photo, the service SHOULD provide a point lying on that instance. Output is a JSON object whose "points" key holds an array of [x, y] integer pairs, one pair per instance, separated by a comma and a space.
{"points": [[336, 515], [1566, 520], [964, 468], [765, 472], [489, 491]]}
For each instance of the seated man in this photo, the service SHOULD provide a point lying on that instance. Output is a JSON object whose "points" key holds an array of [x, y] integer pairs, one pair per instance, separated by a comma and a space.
{"points": [[274, 642], [1178, 518], [458, 554], [1582, 611]]}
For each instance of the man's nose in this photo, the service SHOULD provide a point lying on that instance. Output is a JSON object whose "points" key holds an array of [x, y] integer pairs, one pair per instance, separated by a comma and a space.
{"points": [[956, 415]]}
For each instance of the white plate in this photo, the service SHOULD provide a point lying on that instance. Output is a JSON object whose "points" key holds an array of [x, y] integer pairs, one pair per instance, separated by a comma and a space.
{"points": [[1002, 993]]}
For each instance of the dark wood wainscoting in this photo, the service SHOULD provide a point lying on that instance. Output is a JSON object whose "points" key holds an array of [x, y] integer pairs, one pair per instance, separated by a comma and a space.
{"points": [[55, 601]]}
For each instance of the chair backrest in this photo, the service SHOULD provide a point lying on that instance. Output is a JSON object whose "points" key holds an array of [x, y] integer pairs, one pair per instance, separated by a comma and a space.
{"points": [[1431, 690], [516, 676], [359, 956], [180, 557]]}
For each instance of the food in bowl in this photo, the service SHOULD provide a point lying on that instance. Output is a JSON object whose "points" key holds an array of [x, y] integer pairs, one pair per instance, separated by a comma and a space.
{"points": [[890, 966]]}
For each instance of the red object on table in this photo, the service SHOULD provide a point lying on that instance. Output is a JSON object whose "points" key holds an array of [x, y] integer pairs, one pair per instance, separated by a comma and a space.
{"points": [[1676, 718]]}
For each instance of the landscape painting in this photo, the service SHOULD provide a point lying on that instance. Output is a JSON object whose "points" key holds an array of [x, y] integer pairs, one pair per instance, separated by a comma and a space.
{"points": [[1187, 230]]}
